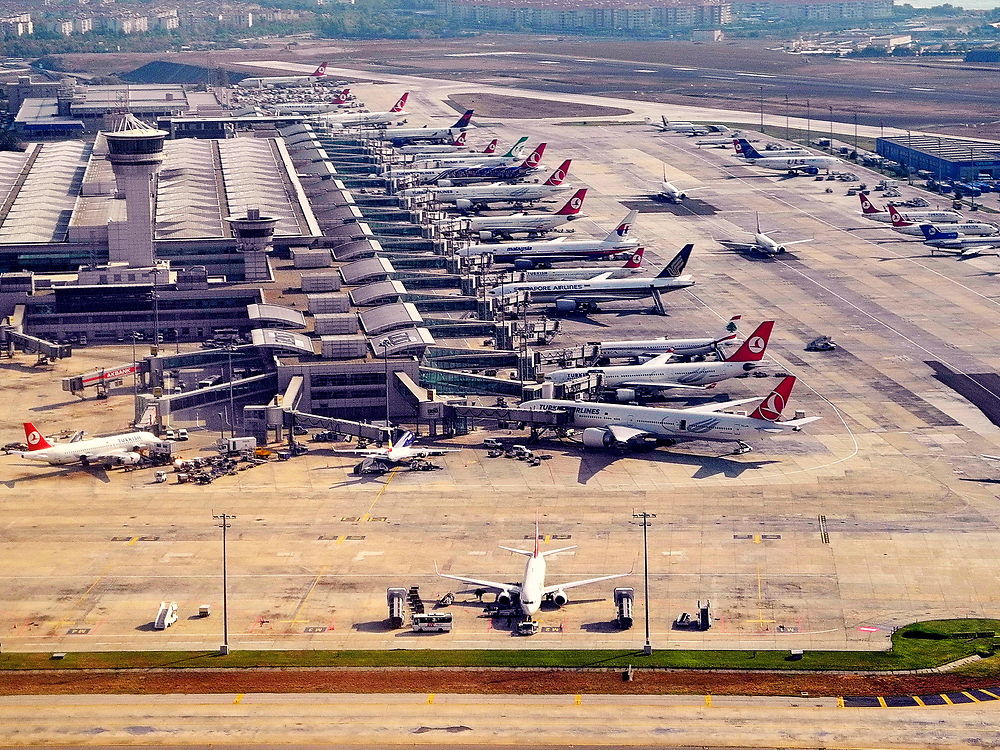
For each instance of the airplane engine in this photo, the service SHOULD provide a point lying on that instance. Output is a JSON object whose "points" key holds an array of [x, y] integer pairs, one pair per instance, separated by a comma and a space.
{"points": [[625, 395], [523, 264], [811, 170], [566, 305], [597, 437], [485, 235], [128, 459], [463, 204], [444, 183], [504, 598], [681, 196], [559, 598], [781, 249]]}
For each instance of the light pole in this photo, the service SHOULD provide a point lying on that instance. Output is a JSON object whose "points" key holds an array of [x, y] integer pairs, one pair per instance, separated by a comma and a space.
{"points": [[808, 122], [155, 346], [224, 524], [647, 649], [786, 117], [384, 343], [762, 111], [232, 408], [831, 128]]}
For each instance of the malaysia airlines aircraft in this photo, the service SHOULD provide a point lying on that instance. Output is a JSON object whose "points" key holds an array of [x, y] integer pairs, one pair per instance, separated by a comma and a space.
{"points": [[467, 197], [261, 82], [620, 427], [456, 146], [447, 176], [747, 151], [430, 135], [400, 451], [686, 128], [680, 348], [113, 450], [953, 242], [973, 229], [359, 119], [919, 217], [532, 591], [632, 265], [532, 225], [589, 293], [663, 372], [532, 254], [762, 244]]}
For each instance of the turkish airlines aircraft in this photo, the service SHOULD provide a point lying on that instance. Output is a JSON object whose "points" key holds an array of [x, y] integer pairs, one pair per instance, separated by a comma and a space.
{"points": [[971, 228], [357, 119], [919, 217], [533, 225], [677, 347], [114, 450], [466, 197], [632, 265], [261, 82], [532, 591]]}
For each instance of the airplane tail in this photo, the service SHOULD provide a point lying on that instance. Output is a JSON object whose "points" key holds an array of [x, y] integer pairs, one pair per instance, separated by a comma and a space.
{"points": [[574, 204], [676, 267], [34, 438], [866, 205], [621, 231], [557, 177], [774, 403], [464, 120], [320, 71], [730, 330], [635, 260], [744, 147], [536, 536], [400, 103], [342, 97], [535, 157], [459, 140], [491, 147], [405, 440], [931, 232], [752, 350], [515, 150], [897, 218]]}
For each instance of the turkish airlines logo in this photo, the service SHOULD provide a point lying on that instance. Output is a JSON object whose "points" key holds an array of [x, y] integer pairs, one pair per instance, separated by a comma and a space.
{"points": [[739, 147], [460, 141], [771, 409], [756, 344], [895, 214], [34, 438], [558, 176], [534, 159], [623, 230], [321, 70], [637, 258], [575, 203], [866, 205]]}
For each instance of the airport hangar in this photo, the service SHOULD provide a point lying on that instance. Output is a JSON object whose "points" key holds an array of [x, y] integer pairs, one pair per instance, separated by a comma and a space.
{"points": [[945, 158]]}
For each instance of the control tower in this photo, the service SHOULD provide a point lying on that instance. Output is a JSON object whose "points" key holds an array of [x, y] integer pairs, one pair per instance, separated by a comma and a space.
{"points": [[135, 151], [253, 240]]}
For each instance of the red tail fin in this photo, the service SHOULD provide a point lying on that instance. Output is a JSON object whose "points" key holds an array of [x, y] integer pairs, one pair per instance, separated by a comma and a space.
{"points": [[557, 177], [897, 218], [535, 157], [341, 97], [772, 406], [320, 71], [866, 205], [574, 204], [752, 350], [401, 103], [460, 140], [492, 147], [34, 438], [635, 261]]}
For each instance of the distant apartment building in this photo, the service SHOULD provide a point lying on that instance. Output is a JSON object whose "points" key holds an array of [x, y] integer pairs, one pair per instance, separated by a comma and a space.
{"points": [[63, 28], [588, 15], [814, 10], [242, 19], [166, 20], [83, 25], [19, 25], [126, 24]]}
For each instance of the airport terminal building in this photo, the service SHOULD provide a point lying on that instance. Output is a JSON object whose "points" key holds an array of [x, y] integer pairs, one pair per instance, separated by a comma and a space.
{"points": [[945, 158]]}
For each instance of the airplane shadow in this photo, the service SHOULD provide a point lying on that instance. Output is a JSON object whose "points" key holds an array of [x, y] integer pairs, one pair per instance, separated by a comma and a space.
{"points": [[601, 627], [96, 472], [53, 407], [981, 480], [373, 626], [708, 466]]}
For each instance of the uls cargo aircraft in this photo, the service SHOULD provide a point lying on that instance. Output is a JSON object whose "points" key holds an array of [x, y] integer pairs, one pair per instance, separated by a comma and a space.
{"points": [[532, 591], [793, 164], [621, 427], [283, 81], [113, 450]]}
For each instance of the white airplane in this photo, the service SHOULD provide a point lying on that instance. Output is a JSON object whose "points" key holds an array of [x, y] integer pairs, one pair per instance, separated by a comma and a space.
{"points": [[693, 347], [973, 229], [341, 99], [114, 450], [467, 197], [430, 135], [762, 243], [447, 176], [621, 427], [284, 81], [399, 452], [632, 265], [953, 242], [663, 372], [359, 119], [456, 146], [669, 193], [510, 156], [532, 225], [918, 217], [687, 128], [532, 591], [588, 293], [750, 153], [532, 254]]}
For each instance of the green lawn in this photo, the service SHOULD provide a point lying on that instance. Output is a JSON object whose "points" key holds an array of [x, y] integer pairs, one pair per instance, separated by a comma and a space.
{"points": [[917, 646]]}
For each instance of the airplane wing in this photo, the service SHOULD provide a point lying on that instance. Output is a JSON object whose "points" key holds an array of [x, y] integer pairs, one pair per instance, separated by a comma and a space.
{"points": [[969, 252], [709, 408], [660, 359], [733, 245], [516, 588], [435, 451], [602, 276], [573, 584], [663, 385], [593, 297], [623, 434], [796, 242], [373, 452]]}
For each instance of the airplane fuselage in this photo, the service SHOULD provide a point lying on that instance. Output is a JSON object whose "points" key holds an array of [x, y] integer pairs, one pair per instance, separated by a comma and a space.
{"points": [[637, 347], [68, 453], [686, 373], [548, 251], [533, 585], [618, 289]]}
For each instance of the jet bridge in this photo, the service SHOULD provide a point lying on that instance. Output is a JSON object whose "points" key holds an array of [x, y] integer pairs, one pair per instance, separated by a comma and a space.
{"points": [[11, 338]]}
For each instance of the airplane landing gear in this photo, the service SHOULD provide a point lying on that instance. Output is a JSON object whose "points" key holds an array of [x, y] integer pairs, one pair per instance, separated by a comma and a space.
{"points": [[741, 448]]}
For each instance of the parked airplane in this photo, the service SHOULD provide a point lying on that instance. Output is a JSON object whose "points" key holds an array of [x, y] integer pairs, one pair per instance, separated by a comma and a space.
{"points": [[762, 243], [663, 372], [680, 348], [620, 427], [975, 229], [283, 81], [456, 146], [532, 225], [446, 177], [400, 451], [669, 193], [532, 591], [687, 128], [433, 135], [341, 99], [113, 450], [934, 216], [533, 254], [746, 150], [359, 119], [588, 293], [804, 164], [953, 242], [466, 197], [632, 265], [469, 158]]}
